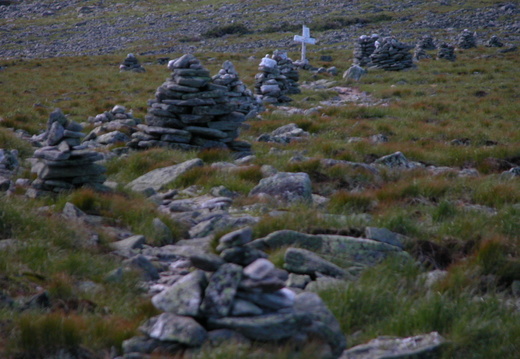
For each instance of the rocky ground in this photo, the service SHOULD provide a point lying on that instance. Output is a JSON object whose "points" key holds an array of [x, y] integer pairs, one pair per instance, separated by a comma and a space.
{"points": [[36, 29]]}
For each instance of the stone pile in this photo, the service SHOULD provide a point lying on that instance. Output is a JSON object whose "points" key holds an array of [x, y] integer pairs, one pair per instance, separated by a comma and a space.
{"points": [[446, 52], [270, 84], [236, 295], [466, 40], [190, 112], [239, 94], [8, 166], [289, 70], [62, 163], [426, 42], [363, 48], [392, 55], [131, 64], [114, 126], [494, 42], [420, 53]]}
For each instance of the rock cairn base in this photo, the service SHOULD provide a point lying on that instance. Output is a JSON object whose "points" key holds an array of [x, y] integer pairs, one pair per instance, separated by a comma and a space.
{"points": [[131, 64], [392, 55], [64, 164], [289, 70], [363, 48], [190, 112], [270, 85], [466, 40], [446, 52]]}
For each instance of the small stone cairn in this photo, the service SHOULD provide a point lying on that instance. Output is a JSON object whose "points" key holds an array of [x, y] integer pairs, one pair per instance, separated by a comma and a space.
{"points": [[289, 70], [446, 52], [466, 40], [392, 55], [236, 295], [239, 94], [270, 84], [190, 112], [494, 42], [363, 48], [62, 163], [426, 42], [131, 64], [111, 127]]}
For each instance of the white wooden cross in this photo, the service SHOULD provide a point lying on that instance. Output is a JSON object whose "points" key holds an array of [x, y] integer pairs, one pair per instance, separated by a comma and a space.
{"points": [[305, 39]]}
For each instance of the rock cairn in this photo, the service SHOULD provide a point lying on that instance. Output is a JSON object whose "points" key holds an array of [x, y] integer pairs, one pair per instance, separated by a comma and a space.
{"points": [[114, 126], [392, 55], [446, 52], [9, 165], [62, 163], [190, 112], [363, 48], [131, 64], [494, 42], [270, 84], [289, 70], [426, 42], [466, 40], [238, 294], [420, 53], [239, 94]]}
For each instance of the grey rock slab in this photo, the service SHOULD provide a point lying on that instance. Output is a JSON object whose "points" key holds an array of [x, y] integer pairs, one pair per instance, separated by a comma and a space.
{"points": [[161, 231], [420, 346], [221, 290], [184, 296], [55, 134], [226, 336], [269, 327], [282, 298], [384, 235], [244, 308], [302, 261], [206, 132], [242, 255], [112, 137], [285, 238], [159, 177], [324, 324], [298, 280], [47, 172], [173, 328], [72, 212], [208, 262], [289, 187], [235, 238], [142, 264], [259, 269], [133, 242]]}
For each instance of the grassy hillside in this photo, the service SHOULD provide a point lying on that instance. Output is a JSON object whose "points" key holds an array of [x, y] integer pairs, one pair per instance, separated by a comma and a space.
{"points": [[462, 115]]}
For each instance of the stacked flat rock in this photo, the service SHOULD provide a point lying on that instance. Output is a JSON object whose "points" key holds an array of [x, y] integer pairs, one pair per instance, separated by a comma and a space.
{"points": [[289, 70], [446, 52], [270, 84], [392, 55], [363, 48], [494, 42], [420, 53], [466, 40], [239, 94], [112, 126], [62, 163], [131, 64], [426, 42], [190, 112], [240, 293]]}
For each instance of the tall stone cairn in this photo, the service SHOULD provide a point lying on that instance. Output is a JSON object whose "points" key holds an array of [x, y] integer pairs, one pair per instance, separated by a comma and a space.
{"points": [[363, 48], [420, 53], [392, 55], [131, 64], [239, 94], [289, 70], [446, 52], [270, 84], [63, 163], [190, 112], [494, 42], [466, 40], [426, 42]]}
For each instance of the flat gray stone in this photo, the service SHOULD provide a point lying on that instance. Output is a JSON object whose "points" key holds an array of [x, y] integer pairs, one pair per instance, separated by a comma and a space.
{"points": [[302, 261], [184, 296], [289, 187], [173, 328], [384, 235], [420, 346], [235, 238], [160, 177], [133, 242]]}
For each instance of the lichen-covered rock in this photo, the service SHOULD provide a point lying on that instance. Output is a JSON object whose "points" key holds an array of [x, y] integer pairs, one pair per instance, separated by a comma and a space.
{"points": [[302, 261], [221, 290], [288, 187], [169, 327]]}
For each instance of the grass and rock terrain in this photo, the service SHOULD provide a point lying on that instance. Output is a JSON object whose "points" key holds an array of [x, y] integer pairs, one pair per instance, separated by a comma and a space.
{"points": [[452, 202]]}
